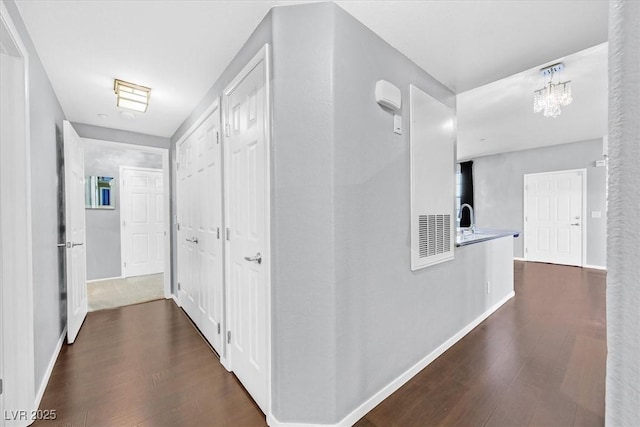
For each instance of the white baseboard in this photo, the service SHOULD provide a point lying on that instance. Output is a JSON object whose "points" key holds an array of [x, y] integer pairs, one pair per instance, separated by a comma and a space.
{"points": [[595, 267], [394, 385], [47, 373], [175, 299], [105, 278], [515, 258]]}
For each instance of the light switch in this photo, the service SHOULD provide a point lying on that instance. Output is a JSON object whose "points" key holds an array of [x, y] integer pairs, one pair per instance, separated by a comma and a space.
{"points": [[596, 214], [397, 124]]}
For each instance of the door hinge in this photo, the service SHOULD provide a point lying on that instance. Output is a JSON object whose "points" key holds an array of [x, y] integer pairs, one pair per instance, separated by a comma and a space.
{"points": [[1, 386], [124, 223], [124, 263], [228, 233], [526, 250], [217, 137], [218, 328], [179, 287], [178, 225], [218, 236], [227, 129], [228, 337]]}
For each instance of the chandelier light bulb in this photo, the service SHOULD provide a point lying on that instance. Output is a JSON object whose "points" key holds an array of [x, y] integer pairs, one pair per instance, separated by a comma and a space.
{"points": [[550, 98]]}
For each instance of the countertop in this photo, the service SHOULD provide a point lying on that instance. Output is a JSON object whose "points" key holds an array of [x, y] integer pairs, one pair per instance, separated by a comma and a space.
{"points": [[482, 235]]}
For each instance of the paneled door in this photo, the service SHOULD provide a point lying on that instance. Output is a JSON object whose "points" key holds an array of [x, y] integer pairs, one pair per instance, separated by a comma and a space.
{"points": [[142, 219], [76, 255], [200, 234], [246, 104], [553, 222]]}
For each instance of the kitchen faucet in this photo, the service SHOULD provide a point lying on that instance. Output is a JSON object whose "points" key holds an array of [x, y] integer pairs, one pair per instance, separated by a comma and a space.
{"points": [[472, 226]]}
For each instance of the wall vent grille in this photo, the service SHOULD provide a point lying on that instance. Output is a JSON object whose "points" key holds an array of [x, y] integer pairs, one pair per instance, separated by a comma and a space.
{"points": [[434, 234]]}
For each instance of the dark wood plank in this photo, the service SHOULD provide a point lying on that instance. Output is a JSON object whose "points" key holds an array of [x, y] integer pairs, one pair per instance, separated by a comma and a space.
{"points": [[144, 365], [538, 361]]}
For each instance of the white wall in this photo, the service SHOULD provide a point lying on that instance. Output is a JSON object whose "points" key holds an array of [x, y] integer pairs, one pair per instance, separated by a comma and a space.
{"points": [[498, 189], [623, 249]]}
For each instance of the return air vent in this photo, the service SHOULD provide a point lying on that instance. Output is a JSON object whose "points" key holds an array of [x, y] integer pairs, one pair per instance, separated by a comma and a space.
{"points": [[434, 234], [431, 136]]}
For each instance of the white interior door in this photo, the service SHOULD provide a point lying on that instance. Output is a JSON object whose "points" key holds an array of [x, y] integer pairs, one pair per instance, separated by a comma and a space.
{"points": [[76, 256], [143, 228], [246, 202], [554, 217], [200, 234]]}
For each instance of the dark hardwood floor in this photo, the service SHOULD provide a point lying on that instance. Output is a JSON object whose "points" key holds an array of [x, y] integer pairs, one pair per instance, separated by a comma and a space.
{"points": [[144, 365], [538, 361]]}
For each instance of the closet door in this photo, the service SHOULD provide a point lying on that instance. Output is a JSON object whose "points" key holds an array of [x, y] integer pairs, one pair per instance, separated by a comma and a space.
{"points": [[200, 229]]}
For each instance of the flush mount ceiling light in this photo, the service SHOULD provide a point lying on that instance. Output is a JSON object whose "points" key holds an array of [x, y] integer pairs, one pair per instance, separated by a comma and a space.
{"points": [[131, 96], [550, 98]]}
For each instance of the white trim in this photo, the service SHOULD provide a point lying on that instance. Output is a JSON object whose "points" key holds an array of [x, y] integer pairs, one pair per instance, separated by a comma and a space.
{"points": [[205, 115], [595, 267], [175, 299], [515, 258], [263, 55], [105, 279], [19, 307], [215, 106], [166, 178], [394, 385], [47, 374], [583, 174]]}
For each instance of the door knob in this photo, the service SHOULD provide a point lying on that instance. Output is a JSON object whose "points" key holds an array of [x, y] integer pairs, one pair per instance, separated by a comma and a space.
{"points": [[194, 240], [257, 258], [74, 244], [575, 223]]}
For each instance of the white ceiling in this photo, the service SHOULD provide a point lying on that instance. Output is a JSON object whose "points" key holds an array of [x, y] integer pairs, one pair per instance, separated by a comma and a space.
{"points": [[499, 117], [180, 48], [177, 48]]}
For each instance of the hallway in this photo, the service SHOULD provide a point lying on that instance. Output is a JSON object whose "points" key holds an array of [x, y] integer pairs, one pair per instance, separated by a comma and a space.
{"points": [[144, 365], [539, 360]]}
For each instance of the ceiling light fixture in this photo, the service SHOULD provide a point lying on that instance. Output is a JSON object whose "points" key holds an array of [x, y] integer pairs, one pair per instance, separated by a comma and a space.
{"points": [[131, 96], [550, 98]]}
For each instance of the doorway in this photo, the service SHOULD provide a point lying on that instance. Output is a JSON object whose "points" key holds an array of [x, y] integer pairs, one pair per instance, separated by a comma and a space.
{"points": [[200, 229], [554, 217], [247, 218], [16, 302], [127, 213]]}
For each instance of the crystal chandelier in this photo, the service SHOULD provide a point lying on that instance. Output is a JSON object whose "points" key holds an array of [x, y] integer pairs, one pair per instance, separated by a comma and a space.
{"points": [[550, 98]]}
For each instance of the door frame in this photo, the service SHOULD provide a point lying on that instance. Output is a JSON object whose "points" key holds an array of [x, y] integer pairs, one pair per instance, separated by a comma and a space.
{"points": [[583, 174], [166, 184], [263, 55], [174, 224], [17, 346], [121, 190], [211, 109]]}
